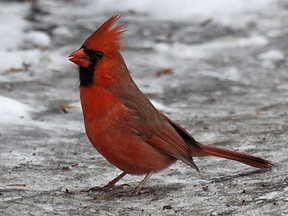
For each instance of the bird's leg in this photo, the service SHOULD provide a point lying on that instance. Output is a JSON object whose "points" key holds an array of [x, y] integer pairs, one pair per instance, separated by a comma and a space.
{"points": [[143, 182], [111, 184]]}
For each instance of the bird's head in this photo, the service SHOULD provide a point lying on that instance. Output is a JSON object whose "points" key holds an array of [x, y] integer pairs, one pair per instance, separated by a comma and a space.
{"points": [[99, 48]]}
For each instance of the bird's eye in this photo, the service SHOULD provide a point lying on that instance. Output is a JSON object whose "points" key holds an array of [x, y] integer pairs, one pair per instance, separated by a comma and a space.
{"points": [[99, 54]]}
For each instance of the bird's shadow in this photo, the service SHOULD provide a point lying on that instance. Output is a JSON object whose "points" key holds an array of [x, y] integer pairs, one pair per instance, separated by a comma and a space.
{"points": [[155, 190], [238, 175], [158, 190]]}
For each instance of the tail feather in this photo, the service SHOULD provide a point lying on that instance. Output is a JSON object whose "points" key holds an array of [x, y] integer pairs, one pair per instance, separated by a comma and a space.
{"points": [[206, 150]]}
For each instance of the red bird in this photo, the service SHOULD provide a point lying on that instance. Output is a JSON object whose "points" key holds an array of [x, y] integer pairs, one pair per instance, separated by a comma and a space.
{"points": [[122, 124]]}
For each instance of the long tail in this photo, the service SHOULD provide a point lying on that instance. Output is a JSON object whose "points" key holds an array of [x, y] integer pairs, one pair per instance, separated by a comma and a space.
{"points": [[206, 150]]}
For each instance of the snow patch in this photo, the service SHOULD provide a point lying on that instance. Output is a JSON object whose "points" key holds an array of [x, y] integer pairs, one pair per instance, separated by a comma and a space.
{"points": [[204, 51], [12, 24], [12, 111], [62, 31], [272, 55], [271, 58], [162, 107], [17, 60], [269, 196], [37, 39]]}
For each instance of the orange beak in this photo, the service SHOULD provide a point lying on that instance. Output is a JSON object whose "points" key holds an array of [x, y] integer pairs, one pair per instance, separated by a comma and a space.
{"points": [[80, 58]]}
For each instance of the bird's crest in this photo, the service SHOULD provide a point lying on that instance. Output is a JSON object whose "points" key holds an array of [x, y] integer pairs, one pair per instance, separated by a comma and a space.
{"points": [[106, 38]]}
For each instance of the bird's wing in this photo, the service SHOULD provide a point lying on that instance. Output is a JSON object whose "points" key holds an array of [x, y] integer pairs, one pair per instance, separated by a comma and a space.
{"points": [[194, 146], [156, 129], [162, 135], [165, 138]]}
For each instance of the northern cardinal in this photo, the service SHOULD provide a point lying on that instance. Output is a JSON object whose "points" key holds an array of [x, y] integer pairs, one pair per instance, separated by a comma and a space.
{"points": [[120, 121]]}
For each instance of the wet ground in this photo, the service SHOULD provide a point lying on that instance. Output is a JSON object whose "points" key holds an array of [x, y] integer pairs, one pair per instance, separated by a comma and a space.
{"points": [[225, 83]]}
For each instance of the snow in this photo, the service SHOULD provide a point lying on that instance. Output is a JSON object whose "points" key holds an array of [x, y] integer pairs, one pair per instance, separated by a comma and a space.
{"points": [[22, 47], [10, 60], [61, 31], [162, 107], [271, 58], [17, 61], [269, 196], [12, 31], [37, 39], [220, 10], [13, 27], [12, 24], [13, 111], [203, 51], [272, 55]]}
